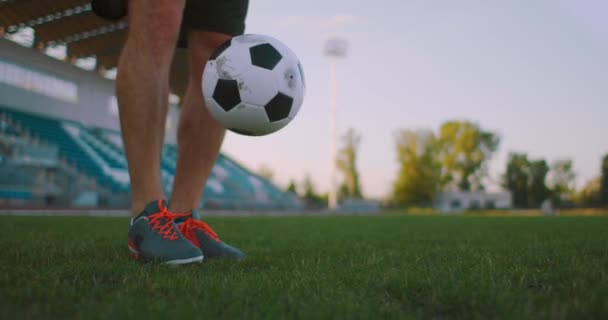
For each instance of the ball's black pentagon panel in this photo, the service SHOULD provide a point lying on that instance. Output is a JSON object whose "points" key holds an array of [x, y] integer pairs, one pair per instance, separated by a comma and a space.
{"points": [[279, 107], [226, 94], [221, 48], [265, 56]]}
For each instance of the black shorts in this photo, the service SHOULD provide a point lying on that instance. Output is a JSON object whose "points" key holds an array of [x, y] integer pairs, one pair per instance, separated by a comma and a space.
{"points": [[222, 16]]}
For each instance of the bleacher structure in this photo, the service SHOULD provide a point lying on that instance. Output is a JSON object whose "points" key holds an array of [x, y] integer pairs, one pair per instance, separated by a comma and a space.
{"points": [[48, 156], [97, 156]]}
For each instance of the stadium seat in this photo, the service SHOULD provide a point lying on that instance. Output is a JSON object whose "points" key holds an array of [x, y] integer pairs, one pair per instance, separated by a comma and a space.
{"points": [[53, 132], [99, 152]]}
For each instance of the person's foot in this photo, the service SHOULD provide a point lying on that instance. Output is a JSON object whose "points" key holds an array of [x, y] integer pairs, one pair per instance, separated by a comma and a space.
{"points": [[153, 236], [202, 236]]}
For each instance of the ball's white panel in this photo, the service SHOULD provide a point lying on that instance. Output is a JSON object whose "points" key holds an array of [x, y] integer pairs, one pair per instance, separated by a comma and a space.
{"points": [[215, 110], [246, 119], [288, 75], [210, 78], [277, 125], [289, 81], [258, 86], [233, 62]]}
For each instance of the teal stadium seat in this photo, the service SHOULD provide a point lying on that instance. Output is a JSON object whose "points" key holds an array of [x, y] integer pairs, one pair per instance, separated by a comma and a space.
{"points": [[230, 185]]}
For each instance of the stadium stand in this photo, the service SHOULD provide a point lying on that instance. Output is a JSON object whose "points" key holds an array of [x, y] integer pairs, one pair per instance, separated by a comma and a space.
{"points": [[6, 127], [98, 154], [230, 185], [55, 132], [55, 107]]}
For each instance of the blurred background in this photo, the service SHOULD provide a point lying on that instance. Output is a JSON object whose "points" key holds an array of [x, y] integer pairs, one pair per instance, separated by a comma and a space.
{"points": [[421, 105]]}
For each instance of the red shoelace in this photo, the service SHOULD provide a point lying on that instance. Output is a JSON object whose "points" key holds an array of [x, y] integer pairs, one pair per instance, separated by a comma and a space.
{"points": [[162, 222], [188, 228]]}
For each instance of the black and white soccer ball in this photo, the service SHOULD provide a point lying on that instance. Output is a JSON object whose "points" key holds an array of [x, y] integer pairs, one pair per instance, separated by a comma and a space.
{"points": [[253, 85]]}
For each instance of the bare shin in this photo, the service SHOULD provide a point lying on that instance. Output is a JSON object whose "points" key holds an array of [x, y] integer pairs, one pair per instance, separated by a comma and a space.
{"points": [[142, 85], [199, 135]]}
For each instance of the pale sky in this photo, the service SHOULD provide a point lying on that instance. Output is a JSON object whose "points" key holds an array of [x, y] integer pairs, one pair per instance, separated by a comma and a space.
{"points": [[536, 72]]}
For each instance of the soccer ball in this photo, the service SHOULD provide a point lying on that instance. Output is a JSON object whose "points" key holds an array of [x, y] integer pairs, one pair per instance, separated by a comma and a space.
{"points": [[253, 85]]}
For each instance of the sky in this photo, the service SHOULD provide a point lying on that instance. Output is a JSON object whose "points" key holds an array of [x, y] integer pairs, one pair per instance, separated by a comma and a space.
{"points": [[534, 72]]}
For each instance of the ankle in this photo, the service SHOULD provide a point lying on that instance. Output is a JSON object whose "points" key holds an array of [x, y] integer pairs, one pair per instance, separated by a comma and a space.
{"points": [[137, 206], [180, 207]]}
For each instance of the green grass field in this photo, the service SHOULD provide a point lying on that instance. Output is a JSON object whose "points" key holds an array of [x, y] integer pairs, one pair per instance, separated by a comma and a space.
{"points": [[314, 267]]}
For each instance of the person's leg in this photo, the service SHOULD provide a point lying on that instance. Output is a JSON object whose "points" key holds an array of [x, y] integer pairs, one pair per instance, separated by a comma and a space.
{"points": [[199, 135], [142, 87], [199, 140]]}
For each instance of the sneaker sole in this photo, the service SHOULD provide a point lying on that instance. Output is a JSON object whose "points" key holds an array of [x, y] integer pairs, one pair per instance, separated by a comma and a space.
{"points": [[137, 256]]}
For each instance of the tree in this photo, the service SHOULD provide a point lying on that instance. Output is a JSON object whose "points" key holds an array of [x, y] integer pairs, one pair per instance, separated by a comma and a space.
{"points": [[343, 192], [265, 172], [464, 151], [589, 196], [308, 188], [526, 180], [603, 192], [561, 180], [291, 187], [419, 172], [347, 163], [537, 189], [515, 178], [310, 194]]}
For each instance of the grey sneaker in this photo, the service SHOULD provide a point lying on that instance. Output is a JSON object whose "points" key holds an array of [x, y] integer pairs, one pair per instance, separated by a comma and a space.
{"points": [[153, 236], [203, 237]]}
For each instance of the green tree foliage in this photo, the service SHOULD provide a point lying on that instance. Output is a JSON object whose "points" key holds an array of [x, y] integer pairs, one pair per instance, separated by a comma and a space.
{"points": [[464, 150], [291, 187], [310, 194], [308, 187], [419, 172], [589, 195], [343, 192], [538, 190], [561, 180], [603, 192], [347, 164], [515, 178], [526, 180], [595, 191]]}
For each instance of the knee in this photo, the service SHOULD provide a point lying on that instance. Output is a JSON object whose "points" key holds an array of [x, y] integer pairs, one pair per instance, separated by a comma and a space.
{"points": [[201, 45]]}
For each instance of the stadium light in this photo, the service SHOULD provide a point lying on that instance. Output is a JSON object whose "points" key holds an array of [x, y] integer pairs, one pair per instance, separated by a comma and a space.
{"points": [[335, 49]]}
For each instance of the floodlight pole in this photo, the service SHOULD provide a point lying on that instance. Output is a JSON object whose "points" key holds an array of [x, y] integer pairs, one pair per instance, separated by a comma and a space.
{"points": [[335, 48], [332, 199]]}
